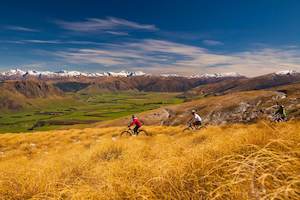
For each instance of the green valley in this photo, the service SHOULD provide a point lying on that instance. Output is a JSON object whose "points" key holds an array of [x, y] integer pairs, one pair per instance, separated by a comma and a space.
{"points": [[81, 108]]}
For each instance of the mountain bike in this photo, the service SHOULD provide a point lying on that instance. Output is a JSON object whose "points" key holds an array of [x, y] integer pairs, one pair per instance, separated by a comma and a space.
{"points": [[130, 132], [278, 118], [192, 127]]}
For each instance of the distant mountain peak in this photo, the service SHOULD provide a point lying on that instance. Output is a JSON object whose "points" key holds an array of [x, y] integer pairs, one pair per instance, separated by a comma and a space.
{"points": [[286, 72], [13, 72], [218, 75], [169, 75]]}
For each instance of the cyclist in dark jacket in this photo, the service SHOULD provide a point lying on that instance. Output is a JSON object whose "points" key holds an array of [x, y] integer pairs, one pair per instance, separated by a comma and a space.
{"points": [[280, 112]]}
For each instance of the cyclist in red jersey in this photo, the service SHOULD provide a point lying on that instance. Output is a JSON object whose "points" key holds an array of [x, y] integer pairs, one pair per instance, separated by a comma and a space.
{"points": [[135, 121]]}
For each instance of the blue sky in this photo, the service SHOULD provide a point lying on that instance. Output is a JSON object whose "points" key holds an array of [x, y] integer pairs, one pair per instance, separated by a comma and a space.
{"points": [[185, 37]]}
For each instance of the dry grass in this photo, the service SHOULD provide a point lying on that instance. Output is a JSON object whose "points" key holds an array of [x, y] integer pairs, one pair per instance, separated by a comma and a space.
{"points": [[259, 161]]}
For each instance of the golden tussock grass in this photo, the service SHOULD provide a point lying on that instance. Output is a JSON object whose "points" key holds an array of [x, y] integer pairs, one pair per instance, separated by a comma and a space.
{"points": [[259, 161]]}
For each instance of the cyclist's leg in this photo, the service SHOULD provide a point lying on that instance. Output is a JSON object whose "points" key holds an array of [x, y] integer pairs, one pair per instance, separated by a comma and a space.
{"points": [[135, 130], [194, 125], [198, 124]]}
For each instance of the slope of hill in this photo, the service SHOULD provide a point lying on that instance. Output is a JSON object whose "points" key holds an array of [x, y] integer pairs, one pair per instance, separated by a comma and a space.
{"points": [[246, 84], [76, 108], [14, 94], [31, 88], [151, 83], [243, 107], [259, 161], [71, 86]]}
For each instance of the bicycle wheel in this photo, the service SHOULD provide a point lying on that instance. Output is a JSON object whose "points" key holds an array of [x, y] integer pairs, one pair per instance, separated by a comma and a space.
{"points": [[125, 133], [187, 129], [143, 132]]}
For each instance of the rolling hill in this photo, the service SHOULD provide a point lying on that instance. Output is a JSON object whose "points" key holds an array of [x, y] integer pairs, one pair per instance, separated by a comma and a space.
{"points": [[245, 84], [137, 83], [15, 94], [236, 107]]}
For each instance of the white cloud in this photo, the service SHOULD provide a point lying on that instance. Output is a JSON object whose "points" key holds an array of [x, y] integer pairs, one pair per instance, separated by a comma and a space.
{"points": [[20, 28], [212, 42], [41, 41], [54, 42], [117, 33], [158, 56], [106, 25]]}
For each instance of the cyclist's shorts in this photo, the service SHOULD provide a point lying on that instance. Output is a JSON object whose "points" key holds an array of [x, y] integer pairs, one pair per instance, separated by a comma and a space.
{"points": [[197, 123]]}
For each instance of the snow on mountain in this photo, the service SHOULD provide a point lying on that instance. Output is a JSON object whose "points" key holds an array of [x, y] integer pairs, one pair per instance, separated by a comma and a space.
{"points": [[138, 73], [286, 72], [170, 75], [231, 74], [215, 75], [218, 75], [64, 73], [124, 73], [13, 72]]}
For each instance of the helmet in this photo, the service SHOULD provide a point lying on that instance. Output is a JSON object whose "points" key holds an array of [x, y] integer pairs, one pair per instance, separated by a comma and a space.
{"points": [[193, 111]]}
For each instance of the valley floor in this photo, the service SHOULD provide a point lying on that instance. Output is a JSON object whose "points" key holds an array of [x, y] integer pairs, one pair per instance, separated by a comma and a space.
{"points": [[81, 109], [258, 161]]}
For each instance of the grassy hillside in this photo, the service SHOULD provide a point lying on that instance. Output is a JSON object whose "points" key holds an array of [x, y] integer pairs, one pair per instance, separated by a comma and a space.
{"points": [[259, 161], [265, 82], [238, 107], [80, 108]]}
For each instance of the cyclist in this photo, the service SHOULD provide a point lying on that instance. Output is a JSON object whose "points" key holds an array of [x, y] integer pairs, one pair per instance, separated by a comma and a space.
{"points": [[197, 121], [280, 112], [135, 121]]}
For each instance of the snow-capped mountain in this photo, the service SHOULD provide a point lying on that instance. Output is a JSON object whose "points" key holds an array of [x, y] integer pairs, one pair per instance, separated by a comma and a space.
{"points": [[218, 75], [18, 73], [286, 72], [64, 73], [13, 72], [215, 75], [170, 75], [124, 73]]}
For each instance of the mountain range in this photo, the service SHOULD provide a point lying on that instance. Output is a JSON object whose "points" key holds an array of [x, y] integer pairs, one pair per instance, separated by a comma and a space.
{"points": [[18, 73], [220, 98], [246, 84], [204, 84]]}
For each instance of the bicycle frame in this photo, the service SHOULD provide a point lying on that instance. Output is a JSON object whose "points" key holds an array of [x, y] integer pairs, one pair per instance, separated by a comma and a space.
{"points": [[131, 131]]}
